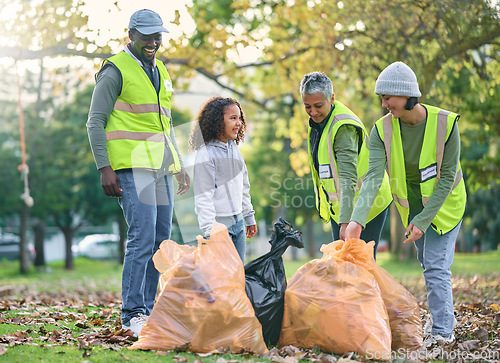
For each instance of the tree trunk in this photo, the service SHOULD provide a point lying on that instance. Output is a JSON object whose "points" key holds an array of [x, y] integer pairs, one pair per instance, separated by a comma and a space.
{"points": [[397, 231], [122, 228], [68, 242], [24, 257], [39, 237]]}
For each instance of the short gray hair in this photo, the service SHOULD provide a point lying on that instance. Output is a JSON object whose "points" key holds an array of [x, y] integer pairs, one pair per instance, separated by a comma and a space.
{"points": [[316, 82]]}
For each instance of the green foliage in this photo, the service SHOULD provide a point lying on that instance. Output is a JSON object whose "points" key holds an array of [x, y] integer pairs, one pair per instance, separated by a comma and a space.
{"points": [[65, 182], [47, 24], [10, 177], [260, 50], [210, 12], [352, 42], [104, 275], [472, 88], [482, 209], [280, 190]]}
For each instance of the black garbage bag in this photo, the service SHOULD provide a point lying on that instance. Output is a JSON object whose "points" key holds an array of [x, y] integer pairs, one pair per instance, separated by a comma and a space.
{"points": [[266, 281]]}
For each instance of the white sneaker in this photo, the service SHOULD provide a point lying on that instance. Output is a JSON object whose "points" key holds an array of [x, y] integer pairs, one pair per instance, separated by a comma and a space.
{"points": [[428, 326], [135, 324], [429, 323], [436, 339]]}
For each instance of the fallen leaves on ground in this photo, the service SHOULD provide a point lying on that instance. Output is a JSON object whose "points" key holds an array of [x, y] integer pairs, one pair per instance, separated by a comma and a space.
{"points": [[49, 319]]}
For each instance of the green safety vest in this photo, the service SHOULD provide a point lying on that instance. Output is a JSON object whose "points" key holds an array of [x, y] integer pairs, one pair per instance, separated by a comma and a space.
{"points": [[326, 179], [138, 128], [437, 131]]}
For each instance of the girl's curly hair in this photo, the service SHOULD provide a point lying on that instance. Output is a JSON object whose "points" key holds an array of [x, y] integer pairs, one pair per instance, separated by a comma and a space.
{"points": [[210, 122]]}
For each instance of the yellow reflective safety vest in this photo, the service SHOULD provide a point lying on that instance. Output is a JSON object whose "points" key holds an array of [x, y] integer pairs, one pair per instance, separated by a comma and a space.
{"points": [[138, 128], [437, 131], [326, 179]]}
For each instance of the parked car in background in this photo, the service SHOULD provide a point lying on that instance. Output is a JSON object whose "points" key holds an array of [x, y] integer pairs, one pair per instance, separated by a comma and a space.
{"points": [[9, 247], [98, 246]]}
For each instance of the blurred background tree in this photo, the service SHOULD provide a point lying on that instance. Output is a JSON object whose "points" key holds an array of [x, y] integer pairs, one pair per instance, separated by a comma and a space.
{"points": [[257, 51]]}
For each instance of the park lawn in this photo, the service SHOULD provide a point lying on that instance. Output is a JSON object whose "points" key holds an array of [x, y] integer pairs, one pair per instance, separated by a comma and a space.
{"points": [[52, 303], [97, 273], [108, 273]]}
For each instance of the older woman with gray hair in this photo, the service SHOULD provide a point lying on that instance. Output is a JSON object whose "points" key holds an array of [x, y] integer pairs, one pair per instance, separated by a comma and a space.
{"points": [[338, 158]]}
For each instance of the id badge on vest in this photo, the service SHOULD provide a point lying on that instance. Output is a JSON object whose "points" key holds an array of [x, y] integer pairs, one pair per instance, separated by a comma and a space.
{"points": [[325, 171], [168, 85], [428, 173]]}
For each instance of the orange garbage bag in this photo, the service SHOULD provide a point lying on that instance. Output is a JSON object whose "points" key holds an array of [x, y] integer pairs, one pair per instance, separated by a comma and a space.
{"points": [[335, 306], [401, 305], [202, 302]]}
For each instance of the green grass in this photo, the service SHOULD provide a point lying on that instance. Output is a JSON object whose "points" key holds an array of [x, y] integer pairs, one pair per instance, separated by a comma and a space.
{"points": [[476, 263], [97, 273], [98, 354]]}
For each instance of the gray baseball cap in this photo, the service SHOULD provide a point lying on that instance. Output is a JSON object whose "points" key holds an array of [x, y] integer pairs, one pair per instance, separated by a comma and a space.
{"points": [[147, 22]]}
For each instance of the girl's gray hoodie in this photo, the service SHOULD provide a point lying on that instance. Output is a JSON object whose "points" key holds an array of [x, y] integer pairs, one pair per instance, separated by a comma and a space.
{"points": [[221, 186]]}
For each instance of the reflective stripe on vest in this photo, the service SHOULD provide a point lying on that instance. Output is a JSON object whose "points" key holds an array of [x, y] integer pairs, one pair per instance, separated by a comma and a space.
{"points": [[143, 108], [336, 196], [430, 167]]}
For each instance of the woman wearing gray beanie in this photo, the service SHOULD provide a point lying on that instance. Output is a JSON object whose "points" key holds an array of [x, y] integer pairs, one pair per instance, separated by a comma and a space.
{"points": [[419, 146]]}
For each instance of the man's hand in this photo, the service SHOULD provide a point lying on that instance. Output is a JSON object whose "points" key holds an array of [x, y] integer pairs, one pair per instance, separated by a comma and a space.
{"points": [[110, 182], [413, 233], [183, 180], [353, 230], [251, 231]]}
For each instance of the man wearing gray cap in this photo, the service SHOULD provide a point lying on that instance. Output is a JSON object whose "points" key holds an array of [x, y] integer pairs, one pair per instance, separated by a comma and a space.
{"points": [[419, 145], [132, 139]]}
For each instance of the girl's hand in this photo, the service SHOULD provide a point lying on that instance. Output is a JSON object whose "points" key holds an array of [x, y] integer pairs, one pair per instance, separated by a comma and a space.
{"points": [[183, 181], [251, 231]]}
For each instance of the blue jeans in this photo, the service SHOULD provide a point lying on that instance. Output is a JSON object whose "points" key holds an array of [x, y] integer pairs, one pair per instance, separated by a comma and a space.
{"points": [[435, 253], [147, 203], [237, 231], [371, 232]]}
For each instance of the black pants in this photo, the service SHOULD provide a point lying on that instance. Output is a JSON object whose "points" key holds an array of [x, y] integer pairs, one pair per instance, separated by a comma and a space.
{"points": [[371, 232]]}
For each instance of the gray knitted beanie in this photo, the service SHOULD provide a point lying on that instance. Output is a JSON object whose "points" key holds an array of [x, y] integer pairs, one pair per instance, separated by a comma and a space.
{"points": [[397, 79]]}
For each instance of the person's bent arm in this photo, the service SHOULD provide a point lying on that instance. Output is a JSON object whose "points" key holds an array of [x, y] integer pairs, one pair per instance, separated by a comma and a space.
{"points": [[204, 190], [107, 89], [345, 149], [182, 177], [247, 208], [370, 187]]}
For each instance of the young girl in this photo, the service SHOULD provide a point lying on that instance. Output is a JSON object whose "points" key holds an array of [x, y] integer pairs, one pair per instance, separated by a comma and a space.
{"points": [[221, 187]]}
